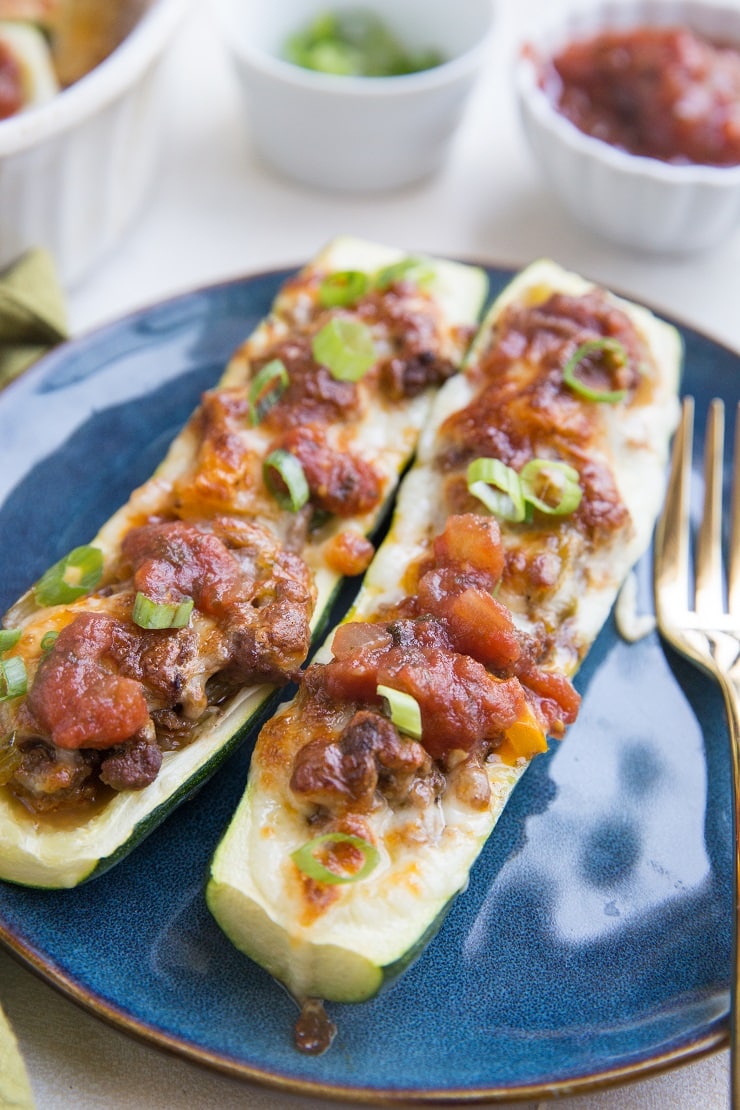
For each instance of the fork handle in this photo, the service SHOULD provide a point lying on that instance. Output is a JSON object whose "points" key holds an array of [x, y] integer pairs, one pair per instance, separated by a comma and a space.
{"points": [[730, 685]]}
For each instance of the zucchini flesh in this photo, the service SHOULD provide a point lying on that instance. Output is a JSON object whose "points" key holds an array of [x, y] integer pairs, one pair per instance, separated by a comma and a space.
{"points": [[371, 929], [383, 430]]}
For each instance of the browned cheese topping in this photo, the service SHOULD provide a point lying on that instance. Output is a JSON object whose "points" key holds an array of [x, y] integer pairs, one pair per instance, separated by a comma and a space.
{"points": [[108, 697], [455, 649], [484, 686], [523, 410]]}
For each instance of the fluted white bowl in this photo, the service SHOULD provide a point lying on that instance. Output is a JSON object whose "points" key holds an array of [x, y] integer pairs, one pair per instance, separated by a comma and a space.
{"points": [[74, 171], [355, 133], [637, 202]]}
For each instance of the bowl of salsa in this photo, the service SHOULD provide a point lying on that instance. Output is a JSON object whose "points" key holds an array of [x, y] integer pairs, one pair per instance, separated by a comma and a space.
{"points": [[633, 111]]}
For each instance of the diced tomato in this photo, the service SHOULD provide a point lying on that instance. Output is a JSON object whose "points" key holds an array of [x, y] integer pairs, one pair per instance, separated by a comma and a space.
{"points": [[471, 542]]}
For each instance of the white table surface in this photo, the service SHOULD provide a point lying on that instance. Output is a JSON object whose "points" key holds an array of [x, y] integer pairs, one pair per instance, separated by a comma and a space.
{"points": [[218, 213]]}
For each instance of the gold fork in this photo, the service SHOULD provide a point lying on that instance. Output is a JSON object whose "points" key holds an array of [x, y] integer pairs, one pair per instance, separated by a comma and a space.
{"points": [[707, 632]]}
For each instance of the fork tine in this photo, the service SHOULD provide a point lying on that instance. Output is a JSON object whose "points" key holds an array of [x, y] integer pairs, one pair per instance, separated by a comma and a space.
{"points": [[733, 588], [709, 588], [672, 539]]}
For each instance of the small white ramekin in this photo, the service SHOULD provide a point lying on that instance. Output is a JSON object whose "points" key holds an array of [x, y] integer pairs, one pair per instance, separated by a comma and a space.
{"points": [[74, 171], [637, 202], [355, 133]]}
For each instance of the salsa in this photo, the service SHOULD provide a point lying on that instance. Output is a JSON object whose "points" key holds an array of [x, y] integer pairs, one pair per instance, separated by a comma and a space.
{"points": [[660, 92]]}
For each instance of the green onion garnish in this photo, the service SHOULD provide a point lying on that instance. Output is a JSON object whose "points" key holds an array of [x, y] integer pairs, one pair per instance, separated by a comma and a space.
{"points": [[284, 477], [266, 389], [552, 487], [404, 710], [355, 42], [614, 355], [417, 270], [13, 678], [498, 487], [73, 576], [154, 614], [48, 640], [343, 288], [306, 861], [9, 637], [345, 347]]}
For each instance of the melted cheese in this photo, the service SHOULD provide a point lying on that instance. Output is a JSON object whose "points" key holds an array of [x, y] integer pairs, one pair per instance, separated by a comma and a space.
{"points": [[340, 952]]}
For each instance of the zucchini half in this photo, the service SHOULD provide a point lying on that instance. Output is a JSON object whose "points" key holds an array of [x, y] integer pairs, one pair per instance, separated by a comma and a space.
{"points": [[374, 927], [46, 853]]}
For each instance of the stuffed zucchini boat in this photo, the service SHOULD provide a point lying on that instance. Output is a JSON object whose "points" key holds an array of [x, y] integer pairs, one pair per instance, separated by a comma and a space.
{"points": [[370, 795], [134, 665]]}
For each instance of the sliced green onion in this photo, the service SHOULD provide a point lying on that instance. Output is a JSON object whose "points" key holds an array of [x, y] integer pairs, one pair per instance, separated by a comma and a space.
{"points": [[345, 347], [13, 678], [9, 637], [498, 487], [355, 42], [48, 640], [284, 477], [552, 487], [73, 576], [343, 288], [155, 614], [10, 759], [404, 710], [266, 389], [613, 350], [306, 861], [416, 270]]}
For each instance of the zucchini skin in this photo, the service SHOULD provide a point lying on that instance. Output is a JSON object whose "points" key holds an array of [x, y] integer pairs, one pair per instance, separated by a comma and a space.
{"points": [[54, 858], [381, 924]]}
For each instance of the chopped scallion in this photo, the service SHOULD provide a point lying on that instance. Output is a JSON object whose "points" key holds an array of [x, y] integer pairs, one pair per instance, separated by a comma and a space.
{"points": [[345, 347], [343, 288], [266, 389], [48, 640], [154, 614], [9, 637], [73, 576], [416, 270], [13, 678], [404, 710], [552, 487], [498, 487], [284, 477], [612, 354], [306, 861]]}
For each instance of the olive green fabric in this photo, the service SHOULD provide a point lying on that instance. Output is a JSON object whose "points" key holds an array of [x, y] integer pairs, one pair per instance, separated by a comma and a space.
{"points": [[33, 316], [15, 1089]]}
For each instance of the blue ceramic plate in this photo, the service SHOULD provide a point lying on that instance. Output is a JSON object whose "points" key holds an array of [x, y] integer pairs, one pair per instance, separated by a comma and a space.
{"points": [[593, 942]]}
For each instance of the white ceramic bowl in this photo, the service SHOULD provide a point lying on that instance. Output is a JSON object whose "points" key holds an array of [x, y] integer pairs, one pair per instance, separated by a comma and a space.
{"points": [[74, 171], [356, 133], [634, 201]]}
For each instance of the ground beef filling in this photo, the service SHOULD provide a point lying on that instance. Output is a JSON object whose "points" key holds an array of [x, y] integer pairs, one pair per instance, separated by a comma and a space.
{"points": [[456, 651], [109, 696]]}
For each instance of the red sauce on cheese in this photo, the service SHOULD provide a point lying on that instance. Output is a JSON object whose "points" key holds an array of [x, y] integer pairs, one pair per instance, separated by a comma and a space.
{"points": [[11, 83], [660, 92], [525, 410]]}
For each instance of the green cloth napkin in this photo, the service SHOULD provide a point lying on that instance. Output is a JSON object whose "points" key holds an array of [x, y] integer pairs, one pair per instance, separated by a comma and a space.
{"points": [[33, 316]]}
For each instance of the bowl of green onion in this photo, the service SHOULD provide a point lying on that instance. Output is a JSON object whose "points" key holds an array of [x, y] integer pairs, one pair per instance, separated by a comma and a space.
{"points": [[355, 95]]}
